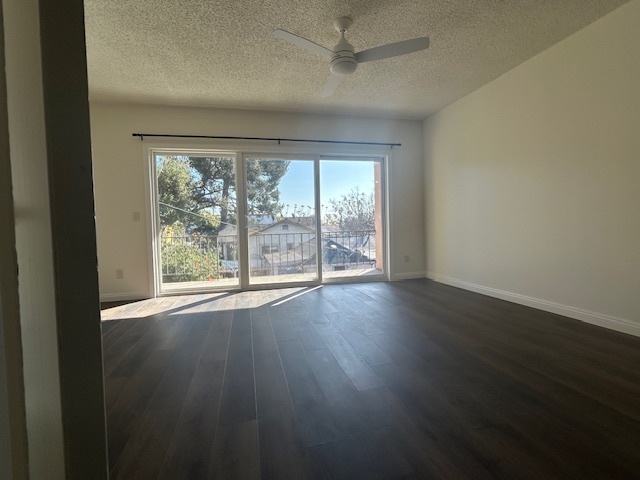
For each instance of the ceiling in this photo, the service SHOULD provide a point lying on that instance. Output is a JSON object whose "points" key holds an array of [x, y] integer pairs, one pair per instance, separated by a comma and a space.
{"points": [[222, 54]]}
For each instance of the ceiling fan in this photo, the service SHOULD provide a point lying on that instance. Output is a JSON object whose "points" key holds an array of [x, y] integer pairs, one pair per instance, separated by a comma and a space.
{"points": [[343, 59]]}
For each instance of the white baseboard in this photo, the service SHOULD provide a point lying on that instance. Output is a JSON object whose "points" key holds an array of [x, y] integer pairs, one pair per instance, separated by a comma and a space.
{"points": [[602, 320], [122, 297], [407, 276]]}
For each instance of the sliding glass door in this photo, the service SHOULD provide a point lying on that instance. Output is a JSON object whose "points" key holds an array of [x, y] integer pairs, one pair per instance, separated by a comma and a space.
{"points": [[196, 221], [232, 220], [281, 220], [351, 196]]}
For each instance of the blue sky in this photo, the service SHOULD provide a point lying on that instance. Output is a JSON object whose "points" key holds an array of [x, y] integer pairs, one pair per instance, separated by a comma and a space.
{"points": [[336, 178]]}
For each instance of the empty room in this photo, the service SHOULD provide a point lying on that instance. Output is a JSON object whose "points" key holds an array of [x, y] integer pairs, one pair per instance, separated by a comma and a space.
{"points": [[320, 240]]}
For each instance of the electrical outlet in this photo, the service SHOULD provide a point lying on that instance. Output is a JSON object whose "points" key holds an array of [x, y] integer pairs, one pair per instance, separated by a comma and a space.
{"points": [[406, 259], [119, 273], [135, 216]]}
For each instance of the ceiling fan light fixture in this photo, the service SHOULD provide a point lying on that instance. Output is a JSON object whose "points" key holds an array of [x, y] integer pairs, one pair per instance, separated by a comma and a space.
{"points": [[343, 65]]}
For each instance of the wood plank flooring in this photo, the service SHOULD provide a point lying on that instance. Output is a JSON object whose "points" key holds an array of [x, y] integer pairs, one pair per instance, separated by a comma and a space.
{"points": [[409, 380]]}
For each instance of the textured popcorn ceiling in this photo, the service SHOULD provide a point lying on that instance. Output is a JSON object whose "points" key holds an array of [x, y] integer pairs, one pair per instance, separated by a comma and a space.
{"points": [[222, 53]]}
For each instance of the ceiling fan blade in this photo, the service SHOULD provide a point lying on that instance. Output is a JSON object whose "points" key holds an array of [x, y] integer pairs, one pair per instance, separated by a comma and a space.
{"points": [[303, 42], [393, 49], [331, 85]]}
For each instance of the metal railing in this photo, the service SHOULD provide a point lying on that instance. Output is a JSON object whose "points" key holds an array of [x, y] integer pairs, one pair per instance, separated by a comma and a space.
{"points": [[282, 253], [344, 250], [197, 257], [189, 258]]}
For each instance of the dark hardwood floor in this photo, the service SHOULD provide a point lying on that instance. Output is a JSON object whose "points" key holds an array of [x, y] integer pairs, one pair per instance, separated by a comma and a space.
{"points": [[398, 380]]}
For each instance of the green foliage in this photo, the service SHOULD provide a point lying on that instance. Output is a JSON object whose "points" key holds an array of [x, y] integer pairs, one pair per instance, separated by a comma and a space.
{"points": [[188, 258], [214, 187], [200, 192], [175, 187], [263, 177], [353, 211]]}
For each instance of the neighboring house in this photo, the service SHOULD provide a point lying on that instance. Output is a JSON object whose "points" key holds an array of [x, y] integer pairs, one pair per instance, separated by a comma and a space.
{"points": [[289, 245], [285, 244]]}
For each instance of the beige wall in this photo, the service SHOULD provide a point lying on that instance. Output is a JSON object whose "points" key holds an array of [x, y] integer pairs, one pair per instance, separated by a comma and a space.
{"points": [[119, 175], [533, 181]]}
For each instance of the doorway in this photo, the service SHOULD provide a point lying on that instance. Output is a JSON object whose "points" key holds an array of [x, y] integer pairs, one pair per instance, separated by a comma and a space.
{"points": [[223, 220]]}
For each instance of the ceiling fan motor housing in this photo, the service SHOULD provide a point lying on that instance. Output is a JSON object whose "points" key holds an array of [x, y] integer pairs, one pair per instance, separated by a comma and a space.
{"points": [[344, 63]]}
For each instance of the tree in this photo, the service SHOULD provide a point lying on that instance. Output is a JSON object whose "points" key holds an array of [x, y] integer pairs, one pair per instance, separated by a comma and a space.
{"points": [[214, 186], [352, 212], [263, 178], [201, 191], [175, 187]]}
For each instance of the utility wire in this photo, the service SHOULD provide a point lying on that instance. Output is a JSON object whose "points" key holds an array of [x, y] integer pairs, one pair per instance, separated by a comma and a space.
{"points": [[194, 214]]}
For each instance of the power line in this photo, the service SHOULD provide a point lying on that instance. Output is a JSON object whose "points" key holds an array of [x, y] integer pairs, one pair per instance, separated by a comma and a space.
{"points": [[194, 214]]}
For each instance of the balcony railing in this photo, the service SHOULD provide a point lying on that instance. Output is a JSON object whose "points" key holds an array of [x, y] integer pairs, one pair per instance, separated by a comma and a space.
{"points": [[195, 257], [188, 258]]}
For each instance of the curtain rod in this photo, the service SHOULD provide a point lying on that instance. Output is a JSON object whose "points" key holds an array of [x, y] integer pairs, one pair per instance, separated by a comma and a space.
{"points": [[142, 135]]}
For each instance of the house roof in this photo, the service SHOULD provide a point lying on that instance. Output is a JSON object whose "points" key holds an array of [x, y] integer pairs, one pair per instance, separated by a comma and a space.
{"points": [[232, 230], [289, 221], [305, 222]]}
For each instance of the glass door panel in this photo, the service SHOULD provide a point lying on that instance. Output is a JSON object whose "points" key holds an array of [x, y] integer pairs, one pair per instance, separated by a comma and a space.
{"points": [[351, 199], [281, 220], [196, 221]]}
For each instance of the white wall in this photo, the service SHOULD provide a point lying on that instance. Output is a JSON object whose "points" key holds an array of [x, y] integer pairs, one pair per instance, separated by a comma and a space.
{"points": [[25, 108], [532, 181], [119, 175]]}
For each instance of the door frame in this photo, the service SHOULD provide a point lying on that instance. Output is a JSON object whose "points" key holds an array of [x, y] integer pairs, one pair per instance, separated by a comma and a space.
{"points": [[240, 151]]}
